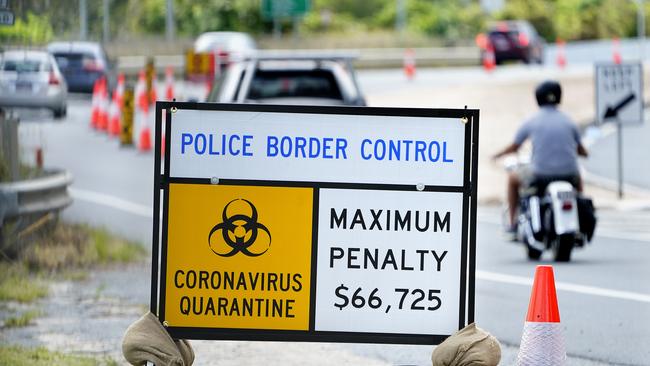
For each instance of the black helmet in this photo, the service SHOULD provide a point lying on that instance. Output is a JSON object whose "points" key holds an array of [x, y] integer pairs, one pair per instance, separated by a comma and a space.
{"points": [[548, 93]]}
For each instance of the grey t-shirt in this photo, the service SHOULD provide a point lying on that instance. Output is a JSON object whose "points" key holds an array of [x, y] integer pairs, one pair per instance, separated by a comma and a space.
{"points": [[555, 141]]}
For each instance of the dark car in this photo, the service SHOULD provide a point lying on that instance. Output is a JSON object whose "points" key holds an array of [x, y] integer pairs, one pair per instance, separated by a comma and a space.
{"points": [[516, 40], [315, 79], [82, 63]]}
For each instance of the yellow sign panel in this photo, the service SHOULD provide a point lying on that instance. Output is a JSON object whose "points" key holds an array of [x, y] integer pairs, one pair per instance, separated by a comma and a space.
{"points": [[197, 63], [239, 257]]}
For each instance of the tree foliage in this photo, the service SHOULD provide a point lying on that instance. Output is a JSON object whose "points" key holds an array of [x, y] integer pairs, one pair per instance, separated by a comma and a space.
{"points": [[449, 20]]}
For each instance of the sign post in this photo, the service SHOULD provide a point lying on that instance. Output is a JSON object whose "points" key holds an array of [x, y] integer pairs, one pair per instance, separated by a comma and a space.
{"points": [[361, 227], [619, 99]]}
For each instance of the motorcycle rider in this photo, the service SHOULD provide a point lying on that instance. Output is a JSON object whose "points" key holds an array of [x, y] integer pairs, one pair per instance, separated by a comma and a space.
{"points": [[556, 146]]}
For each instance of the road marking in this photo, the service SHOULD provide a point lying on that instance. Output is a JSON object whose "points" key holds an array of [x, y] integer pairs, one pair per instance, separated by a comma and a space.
{"points": [[609, 232], [111, 201], [564, 286]]}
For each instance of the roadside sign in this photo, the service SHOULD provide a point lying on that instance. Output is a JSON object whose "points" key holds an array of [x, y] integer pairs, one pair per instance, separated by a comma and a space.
{"points": [[284, 8], [199, 65], [619, 93], [126, 127], [6, 17], [331, 224]]}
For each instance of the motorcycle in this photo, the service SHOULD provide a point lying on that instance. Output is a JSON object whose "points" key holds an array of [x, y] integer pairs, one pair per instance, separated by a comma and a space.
{"points": [[552, 215]]}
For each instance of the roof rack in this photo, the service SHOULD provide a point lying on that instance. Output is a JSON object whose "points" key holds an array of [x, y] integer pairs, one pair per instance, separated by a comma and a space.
{"points": [[302, 55]]}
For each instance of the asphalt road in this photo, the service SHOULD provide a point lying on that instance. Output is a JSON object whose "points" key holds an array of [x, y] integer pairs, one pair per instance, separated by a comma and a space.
{"points": [[603, 160], [604, 294]]}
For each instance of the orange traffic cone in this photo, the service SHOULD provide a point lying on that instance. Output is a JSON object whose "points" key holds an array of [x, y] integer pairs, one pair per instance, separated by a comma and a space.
{"points": [[140, 92], [115, 109], [489, 60], [616, 53], [542, 342], [144, 143], [102, 123], [481, 41], [94, 113], [561, 58], [121, 81], [114, 113], [169, 84], [409, 63], [153, 93]]}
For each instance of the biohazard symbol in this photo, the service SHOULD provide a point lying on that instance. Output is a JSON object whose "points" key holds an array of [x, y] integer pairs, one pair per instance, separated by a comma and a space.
{"points": [[239, 232]]}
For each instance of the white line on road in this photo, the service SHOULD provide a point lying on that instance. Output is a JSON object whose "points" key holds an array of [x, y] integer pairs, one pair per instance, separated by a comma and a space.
{"points": [[564, 286], [111, 201], [146, 211]]}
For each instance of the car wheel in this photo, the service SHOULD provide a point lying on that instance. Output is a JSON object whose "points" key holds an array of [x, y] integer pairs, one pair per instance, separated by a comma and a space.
{"points": [[61, 112]]}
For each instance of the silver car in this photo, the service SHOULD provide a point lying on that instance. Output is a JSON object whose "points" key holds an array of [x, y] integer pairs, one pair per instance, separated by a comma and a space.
{"points": [[31, 79], [289, 78]]}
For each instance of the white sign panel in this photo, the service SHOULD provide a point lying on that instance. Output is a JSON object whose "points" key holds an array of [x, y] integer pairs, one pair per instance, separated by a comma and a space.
{"points": [[318, 148], [389, 262], [619, 93]]}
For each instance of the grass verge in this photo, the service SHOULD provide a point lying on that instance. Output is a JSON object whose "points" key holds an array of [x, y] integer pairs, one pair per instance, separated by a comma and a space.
{"points": [[62, 251], [22, 320], [21, 356], [16, 284]]}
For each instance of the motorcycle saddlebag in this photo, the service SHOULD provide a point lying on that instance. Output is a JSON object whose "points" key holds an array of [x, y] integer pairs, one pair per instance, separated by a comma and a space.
{"points": [[586, 216]]}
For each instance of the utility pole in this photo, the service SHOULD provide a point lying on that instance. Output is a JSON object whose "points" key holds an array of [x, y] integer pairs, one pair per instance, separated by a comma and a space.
{"points": [[83, 20], [640, 24], [169, 21], [400, 23], [106, 20]]}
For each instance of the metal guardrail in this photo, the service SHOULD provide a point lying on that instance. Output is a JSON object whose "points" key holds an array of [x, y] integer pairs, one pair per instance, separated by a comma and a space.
{"points": [[367, 57], [36, 196]]}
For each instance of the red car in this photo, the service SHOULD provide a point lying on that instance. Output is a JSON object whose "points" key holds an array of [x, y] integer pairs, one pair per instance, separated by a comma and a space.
{"points": [[514, 40]]}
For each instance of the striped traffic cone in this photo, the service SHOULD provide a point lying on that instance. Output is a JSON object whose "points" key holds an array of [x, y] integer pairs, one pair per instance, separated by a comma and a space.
{"points": [[542, 342], [561, 58], [616, 51], [409, 63], [102, 123], [94, 113], [489, 59], [169, 84]]}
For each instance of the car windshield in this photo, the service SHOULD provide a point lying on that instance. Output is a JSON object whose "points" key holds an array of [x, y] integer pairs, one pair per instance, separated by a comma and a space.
{"points": [[25, 65], [289, 84], [73, 60]]}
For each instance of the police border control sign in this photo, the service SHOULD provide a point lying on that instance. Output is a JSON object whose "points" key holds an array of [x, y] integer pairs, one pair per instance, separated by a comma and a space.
{"points": [[322, 224]]}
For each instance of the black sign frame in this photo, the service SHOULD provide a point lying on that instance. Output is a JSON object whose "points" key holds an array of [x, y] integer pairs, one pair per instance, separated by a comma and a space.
{"points": [[162, 180]]}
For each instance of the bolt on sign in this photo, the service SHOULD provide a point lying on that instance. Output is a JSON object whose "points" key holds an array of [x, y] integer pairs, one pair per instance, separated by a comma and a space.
{"points": [[334, 224]]}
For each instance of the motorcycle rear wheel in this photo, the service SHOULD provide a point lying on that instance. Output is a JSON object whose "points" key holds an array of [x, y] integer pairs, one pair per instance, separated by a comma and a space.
{"points": [[563, 247], [533, 254]]}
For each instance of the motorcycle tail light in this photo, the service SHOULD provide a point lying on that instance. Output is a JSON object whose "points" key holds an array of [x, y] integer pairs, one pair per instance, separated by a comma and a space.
{"points": [[567, 205]]}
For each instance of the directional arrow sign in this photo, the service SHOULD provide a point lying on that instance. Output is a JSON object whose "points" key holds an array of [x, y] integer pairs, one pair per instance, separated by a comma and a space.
{"points": [[612, 112], [619, 93]]}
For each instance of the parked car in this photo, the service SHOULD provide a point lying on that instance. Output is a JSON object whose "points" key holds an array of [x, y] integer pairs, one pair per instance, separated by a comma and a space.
{"points": [[32, 79], [229, 46], [516, 40], [290, 79], [82, 63]]}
